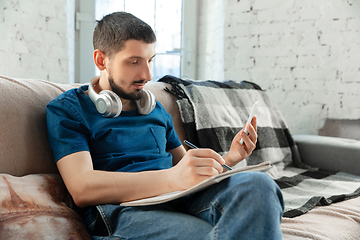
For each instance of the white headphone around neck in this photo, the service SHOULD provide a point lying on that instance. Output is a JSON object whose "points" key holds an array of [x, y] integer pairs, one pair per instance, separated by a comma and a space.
{"points": [[109, 104]]}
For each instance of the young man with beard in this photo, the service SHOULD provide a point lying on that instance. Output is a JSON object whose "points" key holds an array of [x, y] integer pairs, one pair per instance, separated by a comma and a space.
{"points": [[110, 148]]}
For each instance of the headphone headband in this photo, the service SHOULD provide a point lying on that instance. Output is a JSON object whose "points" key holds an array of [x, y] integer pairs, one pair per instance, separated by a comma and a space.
{"points": [[92, 94]]}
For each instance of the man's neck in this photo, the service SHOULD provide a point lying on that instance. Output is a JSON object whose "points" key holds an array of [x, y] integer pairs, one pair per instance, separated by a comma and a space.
{"points": [[127, 105]]}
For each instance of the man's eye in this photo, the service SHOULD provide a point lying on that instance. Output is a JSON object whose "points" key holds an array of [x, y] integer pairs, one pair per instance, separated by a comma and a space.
{"points": [[135, 62]]}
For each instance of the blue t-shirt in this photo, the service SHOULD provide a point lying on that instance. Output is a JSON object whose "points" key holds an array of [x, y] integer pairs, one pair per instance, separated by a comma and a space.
{"points": [[128, 143]]}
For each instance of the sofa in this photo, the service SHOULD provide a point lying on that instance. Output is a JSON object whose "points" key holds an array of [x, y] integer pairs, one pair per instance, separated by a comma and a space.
{"points": [[34, 203]]}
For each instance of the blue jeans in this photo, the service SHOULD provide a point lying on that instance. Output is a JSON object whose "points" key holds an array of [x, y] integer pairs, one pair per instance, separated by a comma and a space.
{"points": [[247, 205]]}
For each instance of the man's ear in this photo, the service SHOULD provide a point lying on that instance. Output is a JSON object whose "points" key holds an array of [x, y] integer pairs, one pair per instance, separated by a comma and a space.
{"points": [[99, 59]]}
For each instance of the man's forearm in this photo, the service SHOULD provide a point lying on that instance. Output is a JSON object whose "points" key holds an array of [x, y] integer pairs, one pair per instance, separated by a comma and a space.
{"points": [[101, 187], [90, 187]]}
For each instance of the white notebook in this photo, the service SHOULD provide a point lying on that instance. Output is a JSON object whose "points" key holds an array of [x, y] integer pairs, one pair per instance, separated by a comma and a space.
{"points": [[215, 179]]}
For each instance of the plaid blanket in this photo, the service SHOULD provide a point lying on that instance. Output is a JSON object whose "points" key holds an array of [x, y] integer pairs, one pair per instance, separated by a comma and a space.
{"points": [[213, 112]]}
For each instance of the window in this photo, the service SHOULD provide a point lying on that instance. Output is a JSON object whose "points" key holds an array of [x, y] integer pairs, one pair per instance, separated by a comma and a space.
{"points": [[165, 17]]}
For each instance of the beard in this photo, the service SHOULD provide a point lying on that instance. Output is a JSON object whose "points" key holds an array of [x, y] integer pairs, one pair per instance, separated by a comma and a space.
{"points": [[122, 94]]}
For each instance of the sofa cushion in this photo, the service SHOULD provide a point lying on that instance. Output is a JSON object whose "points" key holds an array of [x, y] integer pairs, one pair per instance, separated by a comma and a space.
{"points": [[24, 147], [338, 221], [37, 207]]}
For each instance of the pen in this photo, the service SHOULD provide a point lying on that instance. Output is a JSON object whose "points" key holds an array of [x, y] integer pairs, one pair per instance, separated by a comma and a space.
{"points": [[190, 145]]}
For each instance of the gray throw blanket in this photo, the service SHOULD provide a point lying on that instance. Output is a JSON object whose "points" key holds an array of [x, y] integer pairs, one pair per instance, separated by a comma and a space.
{"points": [[213, 112]]}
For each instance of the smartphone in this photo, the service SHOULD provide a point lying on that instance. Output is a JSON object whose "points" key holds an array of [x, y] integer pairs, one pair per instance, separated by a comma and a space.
{"points": [[252, 113]]}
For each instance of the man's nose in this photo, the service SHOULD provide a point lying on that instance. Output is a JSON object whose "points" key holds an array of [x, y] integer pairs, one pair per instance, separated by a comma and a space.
{"points": [[146, 72]]}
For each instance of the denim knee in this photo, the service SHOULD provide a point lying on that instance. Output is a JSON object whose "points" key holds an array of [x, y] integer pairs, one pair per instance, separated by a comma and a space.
{"points": [[261, 181], [264, 189]]}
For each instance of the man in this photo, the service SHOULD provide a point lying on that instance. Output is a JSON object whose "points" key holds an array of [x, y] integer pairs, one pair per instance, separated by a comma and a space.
{"points": [[105, 161]]}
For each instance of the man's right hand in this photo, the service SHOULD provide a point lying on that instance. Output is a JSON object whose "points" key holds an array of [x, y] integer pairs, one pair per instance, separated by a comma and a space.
{"points": [[196, 166]]}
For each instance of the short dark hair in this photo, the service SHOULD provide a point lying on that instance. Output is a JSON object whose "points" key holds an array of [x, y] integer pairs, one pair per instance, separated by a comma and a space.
{"points": [[113, 30]]}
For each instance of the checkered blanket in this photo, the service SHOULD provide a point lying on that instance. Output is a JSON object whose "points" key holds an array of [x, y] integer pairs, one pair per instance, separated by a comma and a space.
{"points": [[213, 112]]}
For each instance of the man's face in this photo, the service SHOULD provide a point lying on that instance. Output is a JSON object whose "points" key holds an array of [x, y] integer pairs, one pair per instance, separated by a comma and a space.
{"points": [[129, 69]]}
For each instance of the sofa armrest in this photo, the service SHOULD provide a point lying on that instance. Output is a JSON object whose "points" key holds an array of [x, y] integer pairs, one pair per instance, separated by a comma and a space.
{"points": [[330, 153]]}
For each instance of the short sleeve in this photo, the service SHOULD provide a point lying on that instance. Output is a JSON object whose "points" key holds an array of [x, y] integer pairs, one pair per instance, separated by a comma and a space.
{"points": [[67, 133], [173, 140]]}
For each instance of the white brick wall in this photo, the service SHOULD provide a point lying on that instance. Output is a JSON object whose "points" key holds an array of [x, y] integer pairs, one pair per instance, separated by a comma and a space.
{"points": [[34, 39], [304, 53]]}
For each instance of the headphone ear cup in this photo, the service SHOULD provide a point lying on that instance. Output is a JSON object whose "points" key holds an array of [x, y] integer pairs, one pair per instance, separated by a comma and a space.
{"points": [[108, 104], [147, 103]]}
